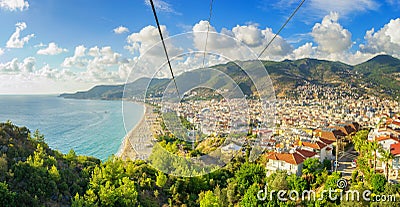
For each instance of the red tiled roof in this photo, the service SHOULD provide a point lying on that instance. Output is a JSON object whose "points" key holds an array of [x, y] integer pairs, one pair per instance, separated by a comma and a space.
{"points": [[331, 135], [395, 149], [291, 158], [396, 123], [326, 141], [386, 137], [314, 145], [306, 153]]}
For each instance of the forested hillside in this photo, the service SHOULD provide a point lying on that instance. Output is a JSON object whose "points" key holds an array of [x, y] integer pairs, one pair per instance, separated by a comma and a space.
{"points": [[31, 174]]}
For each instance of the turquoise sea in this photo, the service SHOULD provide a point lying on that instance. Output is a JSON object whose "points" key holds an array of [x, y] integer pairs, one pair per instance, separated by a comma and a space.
{"points": [[90, 127]]}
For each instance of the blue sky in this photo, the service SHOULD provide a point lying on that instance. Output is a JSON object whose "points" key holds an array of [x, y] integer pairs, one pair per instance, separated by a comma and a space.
{"points": [[49, 46]]}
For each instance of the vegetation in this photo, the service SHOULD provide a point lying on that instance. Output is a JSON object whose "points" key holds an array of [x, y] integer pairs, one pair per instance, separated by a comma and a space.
{"points": [[32, 174]]}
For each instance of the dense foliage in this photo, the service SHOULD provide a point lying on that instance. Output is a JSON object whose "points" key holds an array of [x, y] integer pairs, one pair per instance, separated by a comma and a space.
{"points": [[31, 174]]}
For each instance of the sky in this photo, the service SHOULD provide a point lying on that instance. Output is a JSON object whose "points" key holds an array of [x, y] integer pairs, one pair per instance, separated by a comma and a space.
{"points": [[51, 47]]}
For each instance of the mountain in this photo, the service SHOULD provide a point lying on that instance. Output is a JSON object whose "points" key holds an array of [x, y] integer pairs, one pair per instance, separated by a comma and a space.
{"points": [[111, 92], [379, 75], [98, 92]]}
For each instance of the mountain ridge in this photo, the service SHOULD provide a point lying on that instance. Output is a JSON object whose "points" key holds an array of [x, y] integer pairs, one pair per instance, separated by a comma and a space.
{"points": [[380, 75]]}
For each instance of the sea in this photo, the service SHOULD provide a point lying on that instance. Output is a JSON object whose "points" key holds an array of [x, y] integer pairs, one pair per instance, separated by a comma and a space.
{"points": [[89, 127]]}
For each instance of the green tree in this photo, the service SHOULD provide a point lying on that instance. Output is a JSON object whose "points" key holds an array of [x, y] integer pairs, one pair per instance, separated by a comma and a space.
{"points": [[208, 199], [71, 155], [7, 197], [250, 197], [3, 166], [374, 146], [386, 157], [311, 168], [126, 193], [296, 183], [326, 164], [378, 182], [78, 201], [54, 174], [331, 181], [359, 140], [161, 179], [248, 174], [38, 137], [311, 165], [279, 181]]}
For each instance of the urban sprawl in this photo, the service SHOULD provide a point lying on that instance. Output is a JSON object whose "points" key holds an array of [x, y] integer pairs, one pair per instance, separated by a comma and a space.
{"points": [[315, 123]]}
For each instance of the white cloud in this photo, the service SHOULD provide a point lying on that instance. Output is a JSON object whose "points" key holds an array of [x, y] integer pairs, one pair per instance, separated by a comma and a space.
{"points": [[330, 35], [344, 7], [1, 51], [333, 43], [16, 74], [121, 30], [55, 74], [145, 41], [24, 77], [215, 42], [96, 62], [15, 41], [386, 40], [52, 49], [250, 35], [304, 51], [77, 60], [161, 5], [16, 67], [107, 56], [315, 9], [10, 67], [94, 51], [13, 5]]}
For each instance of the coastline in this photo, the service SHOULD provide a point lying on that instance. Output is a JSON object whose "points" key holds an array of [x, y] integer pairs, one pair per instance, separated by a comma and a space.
{"points": [[139, 136]]}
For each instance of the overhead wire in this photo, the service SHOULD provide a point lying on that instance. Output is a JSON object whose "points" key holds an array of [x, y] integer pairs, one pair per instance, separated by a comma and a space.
{"points": [[280, 29], [283, 26], [163, 43], [208, 30], [270, 42]]}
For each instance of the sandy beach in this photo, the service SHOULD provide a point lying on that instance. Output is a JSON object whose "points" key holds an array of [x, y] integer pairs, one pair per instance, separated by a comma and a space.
{"points": [[137, 143]]}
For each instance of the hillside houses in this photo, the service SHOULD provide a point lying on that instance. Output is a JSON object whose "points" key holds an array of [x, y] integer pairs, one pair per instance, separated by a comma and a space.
{"points": [[290, 162], [387, 135]]}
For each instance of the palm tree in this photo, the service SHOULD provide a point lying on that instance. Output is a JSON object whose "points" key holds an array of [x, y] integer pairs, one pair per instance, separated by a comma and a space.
{"points": [[367, 150], [386, 157], [359, 141], [374, 146]]}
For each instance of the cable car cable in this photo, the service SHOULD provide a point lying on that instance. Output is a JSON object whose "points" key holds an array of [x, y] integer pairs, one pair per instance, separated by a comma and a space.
{"points": [[163, 43], [283, 26]]}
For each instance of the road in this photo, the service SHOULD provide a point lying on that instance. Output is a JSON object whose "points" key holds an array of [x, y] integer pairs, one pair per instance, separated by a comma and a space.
{"points": [[345, 159]]}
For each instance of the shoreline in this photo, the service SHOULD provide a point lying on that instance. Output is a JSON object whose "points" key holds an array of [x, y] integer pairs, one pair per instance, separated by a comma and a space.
{"points": [[137, 133]]}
